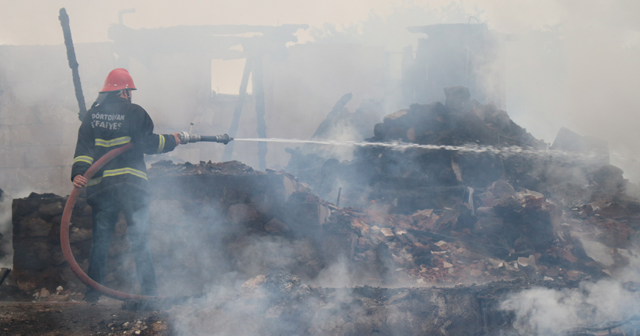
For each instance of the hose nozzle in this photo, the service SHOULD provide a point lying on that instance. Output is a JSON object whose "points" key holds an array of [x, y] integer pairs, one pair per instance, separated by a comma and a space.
{"points": [[223, 138], [186, 138]]}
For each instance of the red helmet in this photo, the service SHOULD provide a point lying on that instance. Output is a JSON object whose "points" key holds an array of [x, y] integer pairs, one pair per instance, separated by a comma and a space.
{"points": [[118, 79]]}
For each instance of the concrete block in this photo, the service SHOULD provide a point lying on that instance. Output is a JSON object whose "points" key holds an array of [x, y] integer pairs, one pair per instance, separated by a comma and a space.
{"points": [[48, 156], [36, 134], [51, 209], [79, 234], [34, 227], [12, 157], [597, 251]]}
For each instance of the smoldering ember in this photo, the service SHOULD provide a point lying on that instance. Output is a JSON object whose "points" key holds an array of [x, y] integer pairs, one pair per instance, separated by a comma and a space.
{"points": [[424, 209]]}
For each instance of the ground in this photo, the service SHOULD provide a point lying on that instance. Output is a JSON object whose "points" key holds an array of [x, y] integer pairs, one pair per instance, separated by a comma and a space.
{"points": [[78, 318]]}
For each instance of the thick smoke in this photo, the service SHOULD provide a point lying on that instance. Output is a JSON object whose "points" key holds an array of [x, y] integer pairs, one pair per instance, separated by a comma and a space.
{"points": [[573, 64], [570, 64], [544, 311]]}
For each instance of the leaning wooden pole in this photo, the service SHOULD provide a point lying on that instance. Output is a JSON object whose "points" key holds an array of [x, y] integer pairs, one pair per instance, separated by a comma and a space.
{"points": [[258, 93], [73, 63], [235, 122]]}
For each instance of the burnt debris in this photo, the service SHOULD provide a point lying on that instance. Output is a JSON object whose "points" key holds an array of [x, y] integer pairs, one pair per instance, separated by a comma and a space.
{"points": [[416, 218]]}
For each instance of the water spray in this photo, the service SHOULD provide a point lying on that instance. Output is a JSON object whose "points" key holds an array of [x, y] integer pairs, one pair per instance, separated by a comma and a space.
{"points": [[464, 149]]}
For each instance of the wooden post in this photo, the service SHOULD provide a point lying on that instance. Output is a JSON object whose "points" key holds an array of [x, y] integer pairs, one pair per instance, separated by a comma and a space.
{"points": [[258, 93], [73, 63], [233, 129]]}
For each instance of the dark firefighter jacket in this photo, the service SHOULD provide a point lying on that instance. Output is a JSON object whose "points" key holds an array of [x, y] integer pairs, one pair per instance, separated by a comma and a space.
{"points": [[110, 125]]}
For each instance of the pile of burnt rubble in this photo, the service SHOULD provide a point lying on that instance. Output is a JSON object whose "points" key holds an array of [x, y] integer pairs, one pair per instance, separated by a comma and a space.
{"points": [[418, 217], [39, 266], [511, 235], [403, 177], [207, 220], [433, 216]]}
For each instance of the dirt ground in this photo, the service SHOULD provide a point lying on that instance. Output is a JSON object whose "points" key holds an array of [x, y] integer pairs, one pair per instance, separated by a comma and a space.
{"points": [[78, 318]]}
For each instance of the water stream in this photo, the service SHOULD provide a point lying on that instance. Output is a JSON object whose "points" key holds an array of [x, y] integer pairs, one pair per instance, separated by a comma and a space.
{"points": [[464, 149]]}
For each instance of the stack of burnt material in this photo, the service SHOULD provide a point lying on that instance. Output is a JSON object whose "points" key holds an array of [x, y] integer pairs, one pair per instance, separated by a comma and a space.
{"points": [[605, 219], [501, 233], [459, 122], [450, 215], [215, 223], [582, 226], [219, 219], [506, 238], [419, 216], [38, 261], [210, 222], [414, 172]]}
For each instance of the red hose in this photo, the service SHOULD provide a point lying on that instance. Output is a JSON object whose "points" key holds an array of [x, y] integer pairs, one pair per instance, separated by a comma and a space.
{"points": [[64, 232]]}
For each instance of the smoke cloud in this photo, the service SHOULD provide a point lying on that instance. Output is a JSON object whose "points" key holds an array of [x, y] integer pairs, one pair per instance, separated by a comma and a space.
{"points": [[544, 311], [568, 64]]}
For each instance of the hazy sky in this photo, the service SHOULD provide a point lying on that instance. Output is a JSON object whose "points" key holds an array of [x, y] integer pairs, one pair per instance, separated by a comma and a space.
{"points": [[90, 19], [572, 63], [35, 21]]}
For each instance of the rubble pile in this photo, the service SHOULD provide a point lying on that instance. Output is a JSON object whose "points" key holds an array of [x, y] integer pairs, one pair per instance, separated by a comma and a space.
{"points": [[405, 177], [38, 260], [207, 220], [438, 216], [517, 235], [410, 219], [459, 121], [429, 218]]}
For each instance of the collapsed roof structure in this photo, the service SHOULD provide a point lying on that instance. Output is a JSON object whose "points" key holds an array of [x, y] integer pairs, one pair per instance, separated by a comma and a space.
{"points": [[213, 42]]}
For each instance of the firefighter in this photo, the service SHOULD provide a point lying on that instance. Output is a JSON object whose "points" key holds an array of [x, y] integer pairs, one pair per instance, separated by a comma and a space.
{"points": [[121, 185]]}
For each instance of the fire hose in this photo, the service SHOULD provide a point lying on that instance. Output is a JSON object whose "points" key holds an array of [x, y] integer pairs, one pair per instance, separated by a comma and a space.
{"points": [[73, 197]]}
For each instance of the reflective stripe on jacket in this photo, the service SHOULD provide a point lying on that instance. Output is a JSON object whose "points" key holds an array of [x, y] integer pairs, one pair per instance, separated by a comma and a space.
{"points": [[112, 124]]}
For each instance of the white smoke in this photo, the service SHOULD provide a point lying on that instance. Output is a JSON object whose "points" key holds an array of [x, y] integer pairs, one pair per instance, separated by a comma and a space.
{"points": [[544, 311]]}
